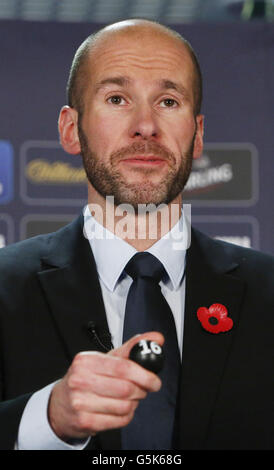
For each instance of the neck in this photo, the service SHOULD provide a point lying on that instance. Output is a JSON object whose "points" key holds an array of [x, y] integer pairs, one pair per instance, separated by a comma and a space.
{"points": [[142, 228]]}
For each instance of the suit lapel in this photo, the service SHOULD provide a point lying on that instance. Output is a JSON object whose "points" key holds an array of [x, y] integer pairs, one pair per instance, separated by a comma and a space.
{"points": [[209, 280], [70, 284]]}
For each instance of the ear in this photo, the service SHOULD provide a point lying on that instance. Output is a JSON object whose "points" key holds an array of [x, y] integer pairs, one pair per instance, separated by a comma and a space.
{"points": [[199, 142], [68, 130]]}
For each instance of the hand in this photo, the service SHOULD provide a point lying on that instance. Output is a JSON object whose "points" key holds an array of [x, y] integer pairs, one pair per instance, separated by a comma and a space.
{"points": [[100, 391]]}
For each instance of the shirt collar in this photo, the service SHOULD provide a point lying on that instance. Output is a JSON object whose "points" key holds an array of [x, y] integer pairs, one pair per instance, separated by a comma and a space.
{"points": [[112, 253]]}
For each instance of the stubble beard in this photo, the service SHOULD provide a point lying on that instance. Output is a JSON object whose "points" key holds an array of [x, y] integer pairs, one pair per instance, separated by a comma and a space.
{"points": [[109, 181]]}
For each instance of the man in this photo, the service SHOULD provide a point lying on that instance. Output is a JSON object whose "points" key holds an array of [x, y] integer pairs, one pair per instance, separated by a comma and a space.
{"points": [[134, 115]]}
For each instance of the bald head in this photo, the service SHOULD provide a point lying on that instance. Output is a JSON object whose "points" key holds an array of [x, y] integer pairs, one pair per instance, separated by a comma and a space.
{"points": [[140, 30]]}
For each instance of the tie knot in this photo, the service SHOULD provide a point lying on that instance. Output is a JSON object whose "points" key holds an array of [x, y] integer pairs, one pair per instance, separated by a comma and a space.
{"points": [[145, 265]]}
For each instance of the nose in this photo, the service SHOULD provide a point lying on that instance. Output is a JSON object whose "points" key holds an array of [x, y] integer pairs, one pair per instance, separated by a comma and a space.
{"points": [[144, 123]]}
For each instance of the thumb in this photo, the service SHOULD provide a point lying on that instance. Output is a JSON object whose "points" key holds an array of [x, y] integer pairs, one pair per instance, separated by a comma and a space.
{"points": [[124, 350]]}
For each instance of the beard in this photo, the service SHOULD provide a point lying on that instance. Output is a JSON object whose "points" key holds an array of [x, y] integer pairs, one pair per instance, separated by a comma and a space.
{"points": [[109, 181]]}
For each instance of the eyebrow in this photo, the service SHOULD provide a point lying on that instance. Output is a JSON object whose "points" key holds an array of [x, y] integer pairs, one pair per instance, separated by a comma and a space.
{"points": [[124, 81], [120, 81], [170, 85]]}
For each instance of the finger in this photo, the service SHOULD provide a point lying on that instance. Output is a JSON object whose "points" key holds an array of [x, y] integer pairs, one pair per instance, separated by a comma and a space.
{"points": [[92, 423], [118, 388], [106, 386], [125, 349], [90, 403], [90, 363]]}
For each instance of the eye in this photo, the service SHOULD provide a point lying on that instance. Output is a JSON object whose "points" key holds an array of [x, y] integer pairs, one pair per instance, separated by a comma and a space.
{"points": [[116, 99], [168, 103]]}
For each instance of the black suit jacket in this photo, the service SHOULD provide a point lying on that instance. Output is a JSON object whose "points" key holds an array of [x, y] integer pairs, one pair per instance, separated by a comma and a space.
{"points": [[49, 292]]}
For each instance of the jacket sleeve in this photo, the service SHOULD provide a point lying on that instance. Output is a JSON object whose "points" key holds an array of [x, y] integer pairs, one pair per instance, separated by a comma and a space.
{"points": [[10, 416]]}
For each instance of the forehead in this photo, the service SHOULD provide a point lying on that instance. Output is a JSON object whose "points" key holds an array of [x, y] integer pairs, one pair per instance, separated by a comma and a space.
{"points": [[141, 54]]}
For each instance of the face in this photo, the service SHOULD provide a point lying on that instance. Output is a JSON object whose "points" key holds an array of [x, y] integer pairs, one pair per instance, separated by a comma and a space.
{"points": [[138, 133]]}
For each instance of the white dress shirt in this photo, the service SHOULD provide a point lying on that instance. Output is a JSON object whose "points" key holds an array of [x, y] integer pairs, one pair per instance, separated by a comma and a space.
{"points": [[111, 255]]}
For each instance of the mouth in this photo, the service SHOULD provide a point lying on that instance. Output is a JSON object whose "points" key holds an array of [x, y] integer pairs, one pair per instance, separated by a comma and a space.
{"points": [[144, 160]]}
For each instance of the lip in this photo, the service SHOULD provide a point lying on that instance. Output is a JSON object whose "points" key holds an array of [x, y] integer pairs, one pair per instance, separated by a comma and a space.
{"points": [[144, 160]]}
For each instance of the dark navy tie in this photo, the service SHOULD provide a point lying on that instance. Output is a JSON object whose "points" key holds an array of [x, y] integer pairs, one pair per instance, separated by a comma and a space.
{"points": [[147, 310]]}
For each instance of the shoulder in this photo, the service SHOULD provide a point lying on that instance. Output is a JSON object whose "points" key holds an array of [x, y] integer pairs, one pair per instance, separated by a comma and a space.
{"points": [[212, 245], [24, 254], [245, 263], [27, 256]]}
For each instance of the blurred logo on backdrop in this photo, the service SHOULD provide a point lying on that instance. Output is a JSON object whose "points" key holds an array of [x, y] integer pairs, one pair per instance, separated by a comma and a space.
{"points": [[6, 171], [240, 230], [6, 230], [49, 176], [226, 174], [35, 224], [41, 171], [3, 240]]}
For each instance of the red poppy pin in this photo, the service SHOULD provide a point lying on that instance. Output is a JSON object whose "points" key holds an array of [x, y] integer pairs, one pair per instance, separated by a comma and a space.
{"points": [[214, 319]]}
